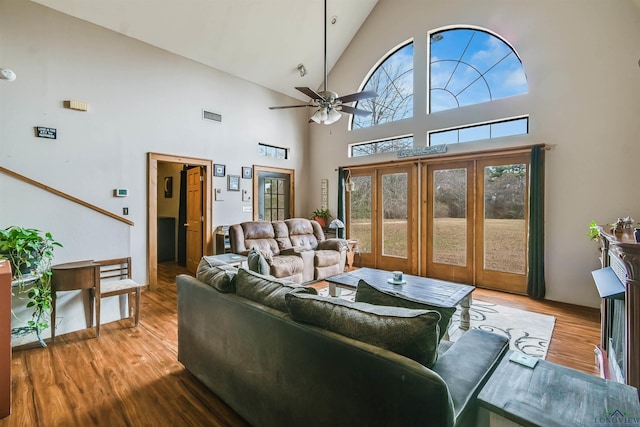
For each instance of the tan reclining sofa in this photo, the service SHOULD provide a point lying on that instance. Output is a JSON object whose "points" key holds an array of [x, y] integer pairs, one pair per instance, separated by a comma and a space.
{"points": [[295, 249]]}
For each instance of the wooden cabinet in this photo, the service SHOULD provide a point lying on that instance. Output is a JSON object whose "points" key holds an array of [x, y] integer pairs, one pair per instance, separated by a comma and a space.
{"points": [[5, 339], [620, 311]]}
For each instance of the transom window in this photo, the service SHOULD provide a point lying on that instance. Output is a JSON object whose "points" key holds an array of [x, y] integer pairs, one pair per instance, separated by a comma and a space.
{"points": [[272, 151], [384, 146], [470, 66], [482, 131]]}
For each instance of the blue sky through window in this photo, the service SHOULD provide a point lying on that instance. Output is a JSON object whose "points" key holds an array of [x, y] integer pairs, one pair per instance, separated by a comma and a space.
{"points": [[472, 66], [393, 82]]}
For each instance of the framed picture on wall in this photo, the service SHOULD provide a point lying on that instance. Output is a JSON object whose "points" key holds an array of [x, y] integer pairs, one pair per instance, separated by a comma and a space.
{"points": [[233, 183], [247, 172], [218, 170], [168, 187]]}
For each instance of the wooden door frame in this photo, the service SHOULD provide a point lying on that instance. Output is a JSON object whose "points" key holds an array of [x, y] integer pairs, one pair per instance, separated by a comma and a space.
{"points": [[152, 207], [256, 201], [411, 169], [376, 258], [426, 198]]}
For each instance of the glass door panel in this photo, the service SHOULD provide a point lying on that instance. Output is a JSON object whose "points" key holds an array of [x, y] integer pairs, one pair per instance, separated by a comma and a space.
{"points": [[394, 215], [397, 218], [449, 207], [448, 192], [360, 209], [503, 201], [505, 227]]}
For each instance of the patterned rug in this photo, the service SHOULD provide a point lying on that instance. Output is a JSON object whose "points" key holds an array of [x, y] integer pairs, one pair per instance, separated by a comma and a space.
{"points": [[527, 332]]}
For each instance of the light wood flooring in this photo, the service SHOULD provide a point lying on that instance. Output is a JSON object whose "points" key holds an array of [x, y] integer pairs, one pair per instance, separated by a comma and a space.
{"points": [[131, 376]]}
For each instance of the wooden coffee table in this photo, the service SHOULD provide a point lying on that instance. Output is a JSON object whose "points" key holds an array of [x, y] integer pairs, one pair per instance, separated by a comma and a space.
{"points": [[421, 289]]}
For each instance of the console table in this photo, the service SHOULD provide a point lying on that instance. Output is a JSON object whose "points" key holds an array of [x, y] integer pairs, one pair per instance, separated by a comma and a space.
{"points": [[550, 395], [5, 339]]}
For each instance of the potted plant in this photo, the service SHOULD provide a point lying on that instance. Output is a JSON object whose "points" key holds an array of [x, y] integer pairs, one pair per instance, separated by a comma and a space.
{"points": [[322, 216], [30, 253]]}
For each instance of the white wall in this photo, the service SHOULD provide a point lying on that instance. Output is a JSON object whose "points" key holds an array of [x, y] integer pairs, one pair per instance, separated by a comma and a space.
{"points": [[581, 61], [141, 99]]}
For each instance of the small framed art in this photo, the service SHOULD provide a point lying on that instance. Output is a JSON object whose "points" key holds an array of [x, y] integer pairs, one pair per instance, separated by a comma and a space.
{"points": [[247, 172], [218, 170], [233, 182]]}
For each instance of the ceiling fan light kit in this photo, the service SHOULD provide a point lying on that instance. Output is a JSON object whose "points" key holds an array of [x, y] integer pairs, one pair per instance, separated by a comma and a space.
{"points": [[328, 103]]}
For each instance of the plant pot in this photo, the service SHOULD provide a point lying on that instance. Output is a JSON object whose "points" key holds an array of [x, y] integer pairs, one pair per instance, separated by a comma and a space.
{"points": [[322, 221]]}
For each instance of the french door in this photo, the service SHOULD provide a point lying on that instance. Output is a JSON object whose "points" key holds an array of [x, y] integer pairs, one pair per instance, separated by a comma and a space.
{"points": [[381, 215], [472, 216], [448, 220], [502, 223]]}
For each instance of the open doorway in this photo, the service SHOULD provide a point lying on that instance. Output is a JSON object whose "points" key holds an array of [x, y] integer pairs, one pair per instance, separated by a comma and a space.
{"points": [[201, 236]]}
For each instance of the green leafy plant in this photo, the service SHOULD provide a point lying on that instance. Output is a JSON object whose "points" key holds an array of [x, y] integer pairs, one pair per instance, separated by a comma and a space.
{"points": [[30, 253], [321, 215], [594, 232]]}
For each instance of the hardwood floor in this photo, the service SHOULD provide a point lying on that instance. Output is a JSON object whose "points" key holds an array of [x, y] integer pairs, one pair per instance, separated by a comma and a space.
{"points": [[131, 376]]}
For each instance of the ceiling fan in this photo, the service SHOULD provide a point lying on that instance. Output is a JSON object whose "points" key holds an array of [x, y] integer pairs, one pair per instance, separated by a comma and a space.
{"points": [[328, 103]]}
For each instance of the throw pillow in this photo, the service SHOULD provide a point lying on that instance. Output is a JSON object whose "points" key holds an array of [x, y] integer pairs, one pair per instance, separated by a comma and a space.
{"points": [[219, 275], [411, 333], [257, 261], [370, 294], [267, 290]]}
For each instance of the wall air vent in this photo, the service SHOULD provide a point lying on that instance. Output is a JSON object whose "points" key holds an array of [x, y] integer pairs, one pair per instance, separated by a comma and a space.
{"points": [[214, 117]]}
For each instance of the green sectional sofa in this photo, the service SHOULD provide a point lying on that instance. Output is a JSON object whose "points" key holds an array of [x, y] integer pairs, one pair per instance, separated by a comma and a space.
{"points": [[255, 342]]}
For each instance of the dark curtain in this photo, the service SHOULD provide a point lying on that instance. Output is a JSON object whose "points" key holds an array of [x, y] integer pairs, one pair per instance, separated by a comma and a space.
{"points": [[182, 218], [341, 197], [535, 280]]}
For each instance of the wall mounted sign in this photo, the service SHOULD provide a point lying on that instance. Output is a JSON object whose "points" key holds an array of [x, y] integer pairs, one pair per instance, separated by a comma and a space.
{"points": [[324, 193], [422, 151], [42, 132]]}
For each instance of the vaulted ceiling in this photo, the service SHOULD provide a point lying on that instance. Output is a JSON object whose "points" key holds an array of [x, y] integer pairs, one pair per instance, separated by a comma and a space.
{"points": [[261, 41]]}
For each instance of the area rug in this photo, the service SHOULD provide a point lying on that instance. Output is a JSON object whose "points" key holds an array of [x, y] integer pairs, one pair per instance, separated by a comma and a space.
{"points": [[527, 332]]}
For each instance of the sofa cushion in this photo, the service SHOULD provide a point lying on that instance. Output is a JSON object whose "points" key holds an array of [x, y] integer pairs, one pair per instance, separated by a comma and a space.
{"points": [[411, 333], [332, 244], [326, 258], [256, 261], [370, 294], [217, 274], [260, 234], [267, 290], [286, 265], [301, 233]]}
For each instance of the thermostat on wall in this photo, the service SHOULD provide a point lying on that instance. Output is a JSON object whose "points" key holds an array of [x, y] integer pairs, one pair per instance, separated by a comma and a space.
{"points": [[120, 192]]}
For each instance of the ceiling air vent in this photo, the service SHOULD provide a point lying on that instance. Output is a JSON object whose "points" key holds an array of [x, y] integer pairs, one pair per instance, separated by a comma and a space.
{"points": [[214, 117]]}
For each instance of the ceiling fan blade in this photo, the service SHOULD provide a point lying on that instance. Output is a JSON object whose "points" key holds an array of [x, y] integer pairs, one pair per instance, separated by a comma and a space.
{"points": [[288, 106], [357, 96], [356, 111], [310, 92]]}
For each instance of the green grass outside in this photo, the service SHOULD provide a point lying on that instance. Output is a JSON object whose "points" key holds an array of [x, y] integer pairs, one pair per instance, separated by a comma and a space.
{"points": [[505, 243]]}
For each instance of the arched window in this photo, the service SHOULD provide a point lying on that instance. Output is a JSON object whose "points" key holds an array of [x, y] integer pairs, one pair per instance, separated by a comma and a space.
{"points": [[470, 66], [393, 82]]}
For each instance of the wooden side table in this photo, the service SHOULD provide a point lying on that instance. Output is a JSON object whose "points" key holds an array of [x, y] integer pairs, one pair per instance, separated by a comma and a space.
{"points": [[551, 395]]}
